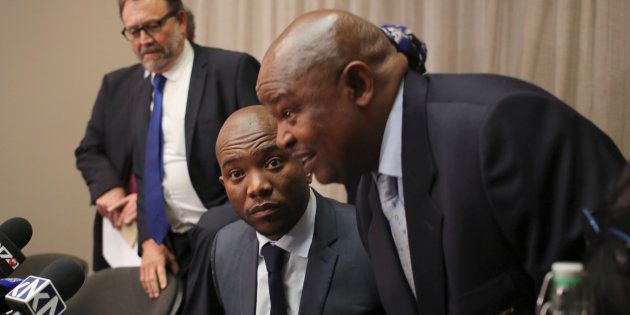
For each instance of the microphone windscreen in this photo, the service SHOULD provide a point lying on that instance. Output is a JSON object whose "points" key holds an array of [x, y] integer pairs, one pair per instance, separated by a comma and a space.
{"points": [[66, 275], [18, 230]]}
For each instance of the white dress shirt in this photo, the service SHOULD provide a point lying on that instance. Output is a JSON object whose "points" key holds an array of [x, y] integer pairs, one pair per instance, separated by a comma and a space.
{"points": [[390, 164], [297, 243], [183, 206]]}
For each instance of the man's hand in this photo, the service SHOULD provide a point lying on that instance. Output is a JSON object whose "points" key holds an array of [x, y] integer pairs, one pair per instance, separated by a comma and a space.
{"points": [[106, 200], [153, 267], [127, 210]]}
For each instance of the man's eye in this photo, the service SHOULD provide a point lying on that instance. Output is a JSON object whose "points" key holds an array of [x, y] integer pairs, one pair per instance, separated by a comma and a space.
{"points": [[236, 174], [152, 27], [287, 114], [274, 163], [135, 31]]}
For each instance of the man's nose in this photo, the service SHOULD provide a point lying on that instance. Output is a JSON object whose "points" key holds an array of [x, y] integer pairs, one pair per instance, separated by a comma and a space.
{"points": [[285, 138], [258, 185], [145, 38]]}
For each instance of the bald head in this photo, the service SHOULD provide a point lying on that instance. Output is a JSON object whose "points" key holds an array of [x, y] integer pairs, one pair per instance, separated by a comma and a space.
{"points": [[323, 42], [252, 121]]}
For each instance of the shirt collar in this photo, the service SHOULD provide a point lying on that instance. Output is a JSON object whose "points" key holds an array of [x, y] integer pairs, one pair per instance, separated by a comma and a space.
{"points": [[186, 59], [390, 161], [298, 240]]}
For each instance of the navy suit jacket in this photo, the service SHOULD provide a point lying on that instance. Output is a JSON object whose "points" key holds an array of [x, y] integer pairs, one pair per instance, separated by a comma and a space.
{"points": [[221, 82], [495, 171], [338, 276]]}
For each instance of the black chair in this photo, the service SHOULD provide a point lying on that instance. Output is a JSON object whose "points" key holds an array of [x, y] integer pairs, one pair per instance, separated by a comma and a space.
{"points": [[34, 264], [118, 291]]}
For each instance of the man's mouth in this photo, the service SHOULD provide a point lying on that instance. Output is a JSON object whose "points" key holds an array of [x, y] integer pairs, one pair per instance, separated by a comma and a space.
{"points": [[308, 159], [263, 209]]}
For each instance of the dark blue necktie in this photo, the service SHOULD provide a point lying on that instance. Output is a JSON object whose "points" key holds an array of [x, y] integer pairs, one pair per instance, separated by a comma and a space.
{"points": [[274, 259], [154, 167]]}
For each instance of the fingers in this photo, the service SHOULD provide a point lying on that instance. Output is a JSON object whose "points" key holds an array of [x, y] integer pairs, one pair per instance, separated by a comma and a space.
{"points": [[153, 274], [161, 275]]}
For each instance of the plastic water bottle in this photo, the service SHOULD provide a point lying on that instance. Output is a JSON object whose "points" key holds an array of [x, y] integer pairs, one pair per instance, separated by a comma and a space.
{"points": [[568, 294]]}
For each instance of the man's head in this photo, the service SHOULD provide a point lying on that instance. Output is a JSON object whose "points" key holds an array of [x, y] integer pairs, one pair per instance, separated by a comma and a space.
{"points": [[267, 186], [156, 30], [330, 79]]}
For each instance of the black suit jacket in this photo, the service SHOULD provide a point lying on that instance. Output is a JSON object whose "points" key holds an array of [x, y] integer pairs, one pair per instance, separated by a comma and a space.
{"points": [[495, 171], [338, 277], [221, 82], [104, 154]]}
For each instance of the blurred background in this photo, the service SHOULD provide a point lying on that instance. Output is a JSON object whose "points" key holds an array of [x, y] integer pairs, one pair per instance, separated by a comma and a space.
{"points": [[54, 54]]}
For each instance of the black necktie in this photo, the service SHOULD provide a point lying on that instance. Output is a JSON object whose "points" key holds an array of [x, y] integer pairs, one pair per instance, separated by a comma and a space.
{"points": [[274, 259]]}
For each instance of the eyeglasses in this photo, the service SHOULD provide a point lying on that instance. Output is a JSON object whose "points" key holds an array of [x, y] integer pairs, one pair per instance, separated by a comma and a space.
{"points": [[151, 27]]}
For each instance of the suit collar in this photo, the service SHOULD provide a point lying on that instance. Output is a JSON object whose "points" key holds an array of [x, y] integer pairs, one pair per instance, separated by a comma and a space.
{"points": [[424, 221], [248, 280], [196, 90], [322, 259]]}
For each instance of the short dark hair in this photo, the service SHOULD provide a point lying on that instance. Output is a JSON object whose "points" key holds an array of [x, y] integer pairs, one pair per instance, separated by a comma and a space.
{"points": [[173, 5]]}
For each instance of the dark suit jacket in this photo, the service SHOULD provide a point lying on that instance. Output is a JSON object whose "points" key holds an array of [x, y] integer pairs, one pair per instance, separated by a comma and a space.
{"points": [[338, 277], [495, 171], [104, 154], [221, 82]]}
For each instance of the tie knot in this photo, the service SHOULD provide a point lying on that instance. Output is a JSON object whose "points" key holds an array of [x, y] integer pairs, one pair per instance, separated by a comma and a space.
{"points": [[274, 257], [387, 187], [158, 82]]}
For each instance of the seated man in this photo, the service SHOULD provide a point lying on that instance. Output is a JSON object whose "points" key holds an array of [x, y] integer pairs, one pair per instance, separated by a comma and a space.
{"points": [[291, 241]]}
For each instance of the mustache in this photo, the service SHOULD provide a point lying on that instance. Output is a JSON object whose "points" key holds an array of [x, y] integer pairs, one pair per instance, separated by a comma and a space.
{"points": [[151, 48]]}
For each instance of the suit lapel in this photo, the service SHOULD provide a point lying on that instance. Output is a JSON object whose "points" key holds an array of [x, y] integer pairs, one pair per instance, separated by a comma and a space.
{"points": [[393, 288], [424, 221], [195, 92], [248, 279], [142, 102], [321, 259]]}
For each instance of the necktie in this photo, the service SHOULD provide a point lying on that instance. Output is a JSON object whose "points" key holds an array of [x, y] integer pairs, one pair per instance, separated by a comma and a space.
{"points": [[394, 211], [274, 260], [154, 168]]}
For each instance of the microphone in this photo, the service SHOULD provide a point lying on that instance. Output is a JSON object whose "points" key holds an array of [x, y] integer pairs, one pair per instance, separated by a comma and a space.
{"points": [[6, 285], [14, 234], [46, 294]]}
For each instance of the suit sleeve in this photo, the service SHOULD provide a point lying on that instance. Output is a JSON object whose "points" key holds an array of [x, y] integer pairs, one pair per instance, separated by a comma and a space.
{"points": [[247, 74], [91, 159], [541, 162]]}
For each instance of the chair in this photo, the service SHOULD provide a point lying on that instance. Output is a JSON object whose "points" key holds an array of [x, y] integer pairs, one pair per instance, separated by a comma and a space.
{"points": [[118, 291], [34, 264]]}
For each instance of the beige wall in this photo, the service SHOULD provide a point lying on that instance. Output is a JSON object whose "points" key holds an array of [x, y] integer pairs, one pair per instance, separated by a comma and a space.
{"points": [[52, 57]]}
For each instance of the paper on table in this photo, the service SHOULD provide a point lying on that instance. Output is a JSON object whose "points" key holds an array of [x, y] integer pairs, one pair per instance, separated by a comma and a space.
{"points": [[116, 245]]}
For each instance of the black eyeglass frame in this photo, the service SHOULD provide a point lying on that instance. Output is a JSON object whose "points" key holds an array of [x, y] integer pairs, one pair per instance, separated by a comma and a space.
{"points": [[150, 27]]}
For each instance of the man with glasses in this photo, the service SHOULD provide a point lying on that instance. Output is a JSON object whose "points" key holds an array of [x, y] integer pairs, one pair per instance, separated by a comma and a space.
{"points": [[171, 106]]}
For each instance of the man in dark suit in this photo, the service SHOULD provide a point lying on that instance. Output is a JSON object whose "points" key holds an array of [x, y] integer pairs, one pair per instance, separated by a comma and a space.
{"points": [[176, 122], [104, 154], [471, 184], [323, 267]]}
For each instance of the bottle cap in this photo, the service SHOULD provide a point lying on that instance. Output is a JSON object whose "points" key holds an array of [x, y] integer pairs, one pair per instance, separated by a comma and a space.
{"points": [[567, 273]]}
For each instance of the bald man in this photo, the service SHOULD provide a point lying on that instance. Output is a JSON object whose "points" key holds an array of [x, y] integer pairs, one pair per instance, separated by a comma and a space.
{"points": [[471, 184], [325, 269]]}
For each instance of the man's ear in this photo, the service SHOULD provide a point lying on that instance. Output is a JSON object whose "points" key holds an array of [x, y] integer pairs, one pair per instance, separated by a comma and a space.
{"points": [[359, 78], [221, 180], [309, 177]]}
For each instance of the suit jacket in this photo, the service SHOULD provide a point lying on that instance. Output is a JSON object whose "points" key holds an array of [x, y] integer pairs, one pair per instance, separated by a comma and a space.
{"points": [[104, 154], [495, 171], [338, 277], [221, 82]]}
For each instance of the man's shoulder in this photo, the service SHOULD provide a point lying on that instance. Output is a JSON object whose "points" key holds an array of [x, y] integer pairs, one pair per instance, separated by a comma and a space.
{"points": [[220, 54], [477, 88], [233, 235]]}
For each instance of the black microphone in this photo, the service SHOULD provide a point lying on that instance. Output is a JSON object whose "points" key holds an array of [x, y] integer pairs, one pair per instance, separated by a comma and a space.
{"points": [[46, 294], [14, 234], [6, 285]]}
